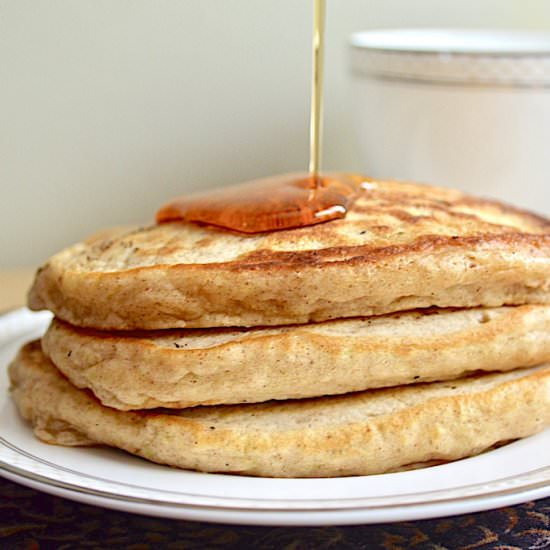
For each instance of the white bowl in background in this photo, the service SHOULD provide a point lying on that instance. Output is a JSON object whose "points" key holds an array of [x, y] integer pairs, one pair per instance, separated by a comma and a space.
{"points": [[463, 108]]}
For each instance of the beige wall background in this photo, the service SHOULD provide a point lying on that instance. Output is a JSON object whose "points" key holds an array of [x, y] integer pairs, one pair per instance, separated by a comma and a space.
{"points": [[110, 107]]}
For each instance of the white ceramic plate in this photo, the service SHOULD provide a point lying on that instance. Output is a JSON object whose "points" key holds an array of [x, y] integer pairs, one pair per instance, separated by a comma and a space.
{"points": [[509, 475]]}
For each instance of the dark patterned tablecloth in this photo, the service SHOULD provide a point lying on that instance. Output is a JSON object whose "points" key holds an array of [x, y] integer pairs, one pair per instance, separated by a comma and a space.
{"points": [[31, 520]]}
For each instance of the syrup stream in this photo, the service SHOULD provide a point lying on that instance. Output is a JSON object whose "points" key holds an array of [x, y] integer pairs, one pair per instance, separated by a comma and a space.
{"points": [[315, 127]]}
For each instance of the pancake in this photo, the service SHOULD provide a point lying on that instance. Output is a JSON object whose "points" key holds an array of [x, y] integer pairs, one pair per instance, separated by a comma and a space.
{"points": [[186, 367], [357, 434], [402, 246]]}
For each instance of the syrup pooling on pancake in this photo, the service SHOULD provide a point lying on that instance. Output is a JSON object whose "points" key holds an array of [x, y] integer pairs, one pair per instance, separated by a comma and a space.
{"points": [[270, 204]]}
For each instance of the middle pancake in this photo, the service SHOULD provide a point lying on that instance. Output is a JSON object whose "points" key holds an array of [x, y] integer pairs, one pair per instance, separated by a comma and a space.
{"points": [[185, 368]]}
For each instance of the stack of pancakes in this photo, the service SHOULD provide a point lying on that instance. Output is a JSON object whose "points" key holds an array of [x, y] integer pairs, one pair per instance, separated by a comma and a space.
{"points": [[414, 330]]}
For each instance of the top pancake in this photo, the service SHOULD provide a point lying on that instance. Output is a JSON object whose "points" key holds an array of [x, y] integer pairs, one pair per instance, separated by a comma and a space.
{"points": [[401, 246]]}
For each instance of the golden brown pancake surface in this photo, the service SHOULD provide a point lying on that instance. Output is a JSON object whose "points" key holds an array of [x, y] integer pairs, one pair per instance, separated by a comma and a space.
{"points": [[402, 246]]}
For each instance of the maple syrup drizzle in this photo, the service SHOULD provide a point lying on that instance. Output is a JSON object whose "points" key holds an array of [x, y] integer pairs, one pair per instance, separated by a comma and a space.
{"points": [[279, 202], [316, 119], [270, 204]]}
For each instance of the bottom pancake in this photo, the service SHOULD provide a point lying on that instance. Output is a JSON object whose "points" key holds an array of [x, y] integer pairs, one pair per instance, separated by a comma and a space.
{"points": [[356, 434]]}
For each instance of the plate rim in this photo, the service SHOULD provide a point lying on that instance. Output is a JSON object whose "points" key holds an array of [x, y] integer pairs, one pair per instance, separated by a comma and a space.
{"points": [[282, 517], [236, 503]]}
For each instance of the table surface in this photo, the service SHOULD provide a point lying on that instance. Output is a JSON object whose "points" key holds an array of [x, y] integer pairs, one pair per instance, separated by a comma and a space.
{"points": [[14, 284], [34, 520]]}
